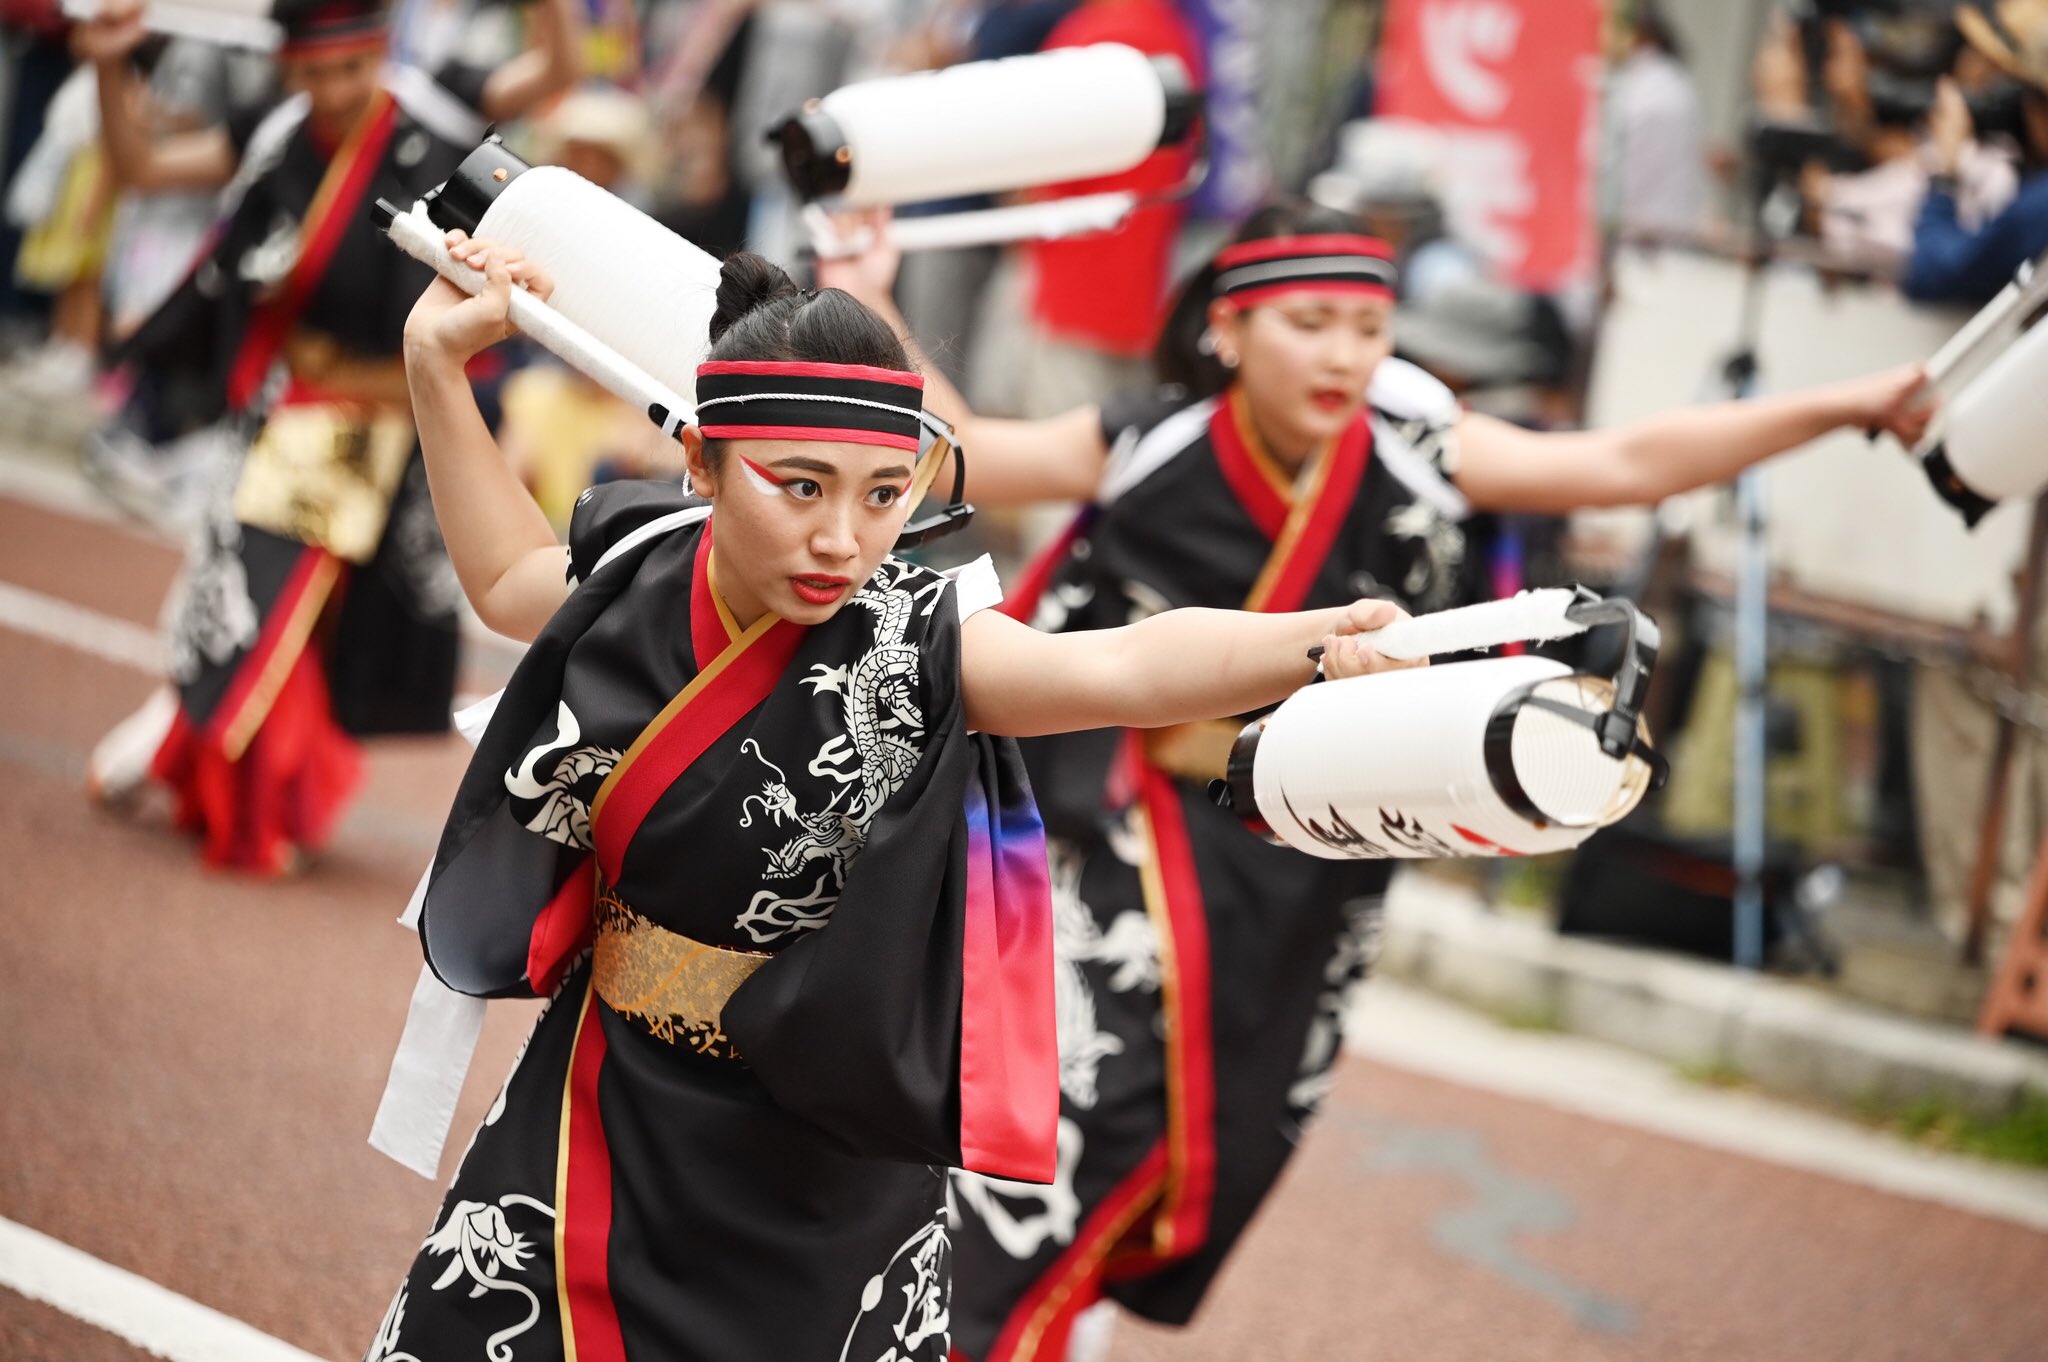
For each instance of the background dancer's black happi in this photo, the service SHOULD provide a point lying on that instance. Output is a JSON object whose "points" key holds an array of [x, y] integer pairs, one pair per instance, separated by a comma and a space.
{"points": [[318, 607], [750, 761], [1203, 973]]}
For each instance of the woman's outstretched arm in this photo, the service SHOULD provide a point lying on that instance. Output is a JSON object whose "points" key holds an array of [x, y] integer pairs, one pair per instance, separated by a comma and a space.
{"points": [[1172, 668], [1505, 468], [512, 569]]}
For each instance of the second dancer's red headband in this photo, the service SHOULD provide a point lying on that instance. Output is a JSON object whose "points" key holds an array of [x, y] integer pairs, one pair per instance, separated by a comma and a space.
{"points": [[1253, 272]]}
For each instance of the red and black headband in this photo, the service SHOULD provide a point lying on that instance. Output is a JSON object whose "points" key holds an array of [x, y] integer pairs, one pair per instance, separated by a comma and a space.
{"points": [[777, 400], [1252, 272], [329, 27], [326, 27]]}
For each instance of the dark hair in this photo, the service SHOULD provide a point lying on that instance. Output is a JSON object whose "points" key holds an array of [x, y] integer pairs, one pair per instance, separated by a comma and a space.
{"points": [[762, 314], [1178, 357], [1652, 27]]}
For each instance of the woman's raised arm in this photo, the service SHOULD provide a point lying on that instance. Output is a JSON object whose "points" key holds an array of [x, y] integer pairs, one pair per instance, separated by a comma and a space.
{"points": [[512, 569]]}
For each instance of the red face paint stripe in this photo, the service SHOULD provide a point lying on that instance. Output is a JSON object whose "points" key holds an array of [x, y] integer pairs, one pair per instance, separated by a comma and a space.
{"points": [[826, 434], [774, 368], [781, 481]]}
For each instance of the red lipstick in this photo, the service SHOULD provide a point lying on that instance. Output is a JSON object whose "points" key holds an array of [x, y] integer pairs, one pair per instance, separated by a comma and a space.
{"points": [[819, 588]]}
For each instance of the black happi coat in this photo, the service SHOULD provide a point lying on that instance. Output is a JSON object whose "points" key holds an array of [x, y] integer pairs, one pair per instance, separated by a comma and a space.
{"points": [[660, 1204], [1167, 1148]]}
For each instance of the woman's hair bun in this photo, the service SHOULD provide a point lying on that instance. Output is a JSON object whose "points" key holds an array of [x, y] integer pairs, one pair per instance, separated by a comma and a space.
{"points": [[763, 315], [745, 282]]}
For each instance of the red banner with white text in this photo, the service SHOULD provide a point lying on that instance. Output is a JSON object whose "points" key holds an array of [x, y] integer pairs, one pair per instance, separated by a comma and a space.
{"points": [[1507, 91]]}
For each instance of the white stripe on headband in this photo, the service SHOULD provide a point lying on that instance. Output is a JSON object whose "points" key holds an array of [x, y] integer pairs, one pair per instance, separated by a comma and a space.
{"points": [[1379, 271], [912, 412]]}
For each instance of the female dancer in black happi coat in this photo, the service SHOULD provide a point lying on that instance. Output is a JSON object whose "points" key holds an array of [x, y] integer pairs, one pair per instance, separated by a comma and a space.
{"points": [[744, 813], [1203, 972]]}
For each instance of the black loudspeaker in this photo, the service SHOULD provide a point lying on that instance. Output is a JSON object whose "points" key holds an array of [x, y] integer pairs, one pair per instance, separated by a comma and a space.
{"points": [[1636, 882]]}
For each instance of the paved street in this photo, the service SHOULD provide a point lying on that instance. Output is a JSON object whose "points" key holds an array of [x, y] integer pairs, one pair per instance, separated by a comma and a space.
{"points": [[191, 1061]]}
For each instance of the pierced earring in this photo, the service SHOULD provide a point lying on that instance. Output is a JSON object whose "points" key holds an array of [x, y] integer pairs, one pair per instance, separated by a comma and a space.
{"points": [[1228, 361]]}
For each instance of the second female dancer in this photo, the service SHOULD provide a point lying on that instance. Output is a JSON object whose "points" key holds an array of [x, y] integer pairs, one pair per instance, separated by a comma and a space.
{"points": [[316, 606], [744, 813], [1203, 972]]}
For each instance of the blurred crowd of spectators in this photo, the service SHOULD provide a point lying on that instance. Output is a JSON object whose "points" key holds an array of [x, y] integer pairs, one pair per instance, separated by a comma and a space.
{"points": [[1909, 135], [1905, 136]]}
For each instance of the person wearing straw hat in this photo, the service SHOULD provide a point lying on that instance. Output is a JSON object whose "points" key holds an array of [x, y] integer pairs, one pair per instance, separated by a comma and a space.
{"points": [[1949, 262], [319, 606], [603, 134]]}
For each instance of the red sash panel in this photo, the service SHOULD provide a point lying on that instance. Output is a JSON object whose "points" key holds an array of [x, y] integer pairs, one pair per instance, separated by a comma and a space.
{"points": [[583, 1203], [335, 205], [1173, 899]]}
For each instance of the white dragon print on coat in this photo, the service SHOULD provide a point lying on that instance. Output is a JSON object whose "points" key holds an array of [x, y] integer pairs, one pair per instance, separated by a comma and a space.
{"points": [[561, 817], [869, 762], [483, 1252], [209, 615], [1357, 949], [906, 1308], [1022, 1217]]}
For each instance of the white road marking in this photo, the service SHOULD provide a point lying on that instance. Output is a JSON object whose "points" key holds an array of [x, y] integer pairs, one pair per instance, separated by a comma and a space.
{"points": [[54, 486], [1401, 1026], [106, 637], [49, 486], [88, 631], [157, 1320]]}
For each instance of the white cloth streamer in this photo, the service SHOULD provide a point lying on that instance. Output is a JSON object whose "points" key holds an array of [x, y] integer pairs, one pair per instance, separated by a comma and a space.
{"points": [[418, 1107], [985, 127]]}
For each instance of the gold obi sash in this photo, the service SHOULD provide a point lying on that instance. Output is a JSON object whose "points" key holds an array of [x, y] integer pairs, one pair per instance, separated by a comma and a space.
{"points": [[1198, 751], [675, 987]]}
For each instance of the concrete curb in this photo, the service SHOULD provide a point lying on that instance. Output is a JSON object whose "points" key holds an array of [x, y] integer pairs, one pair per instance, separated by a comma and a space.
{"points": [[1784, 1036]]}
